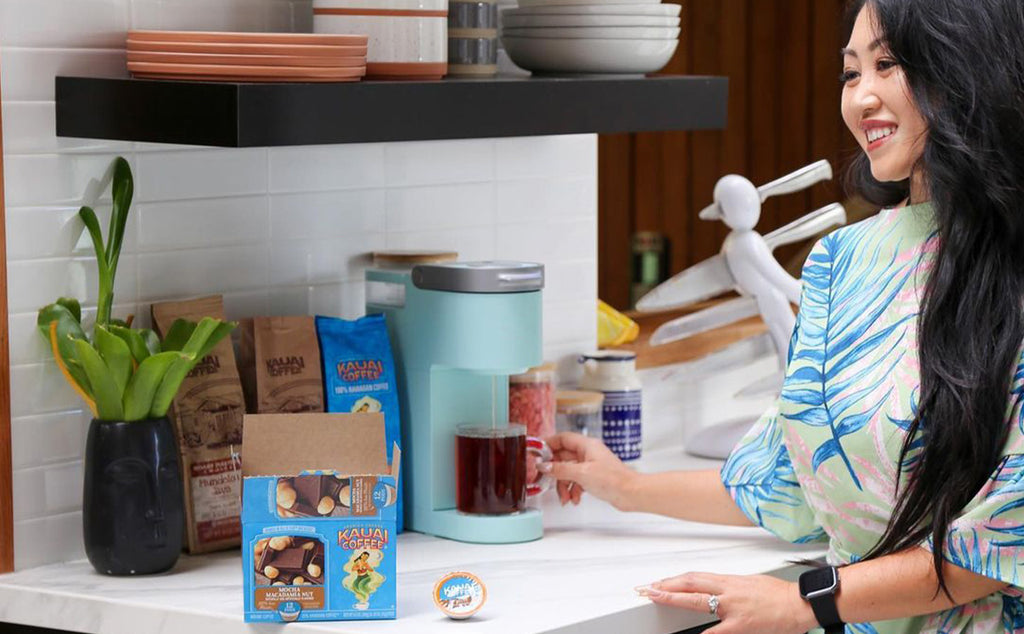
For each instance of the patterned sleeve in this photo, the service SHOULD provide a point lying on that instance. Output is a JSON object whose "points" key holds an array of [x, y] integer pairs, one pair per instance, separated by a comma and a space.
{"points": [[987, 537], [759, 474]]}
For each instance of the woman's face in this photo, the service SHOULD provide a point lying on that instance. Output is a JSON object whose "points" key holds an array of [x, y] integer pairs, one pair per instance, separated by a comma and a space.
{"points": [[877, 105]]}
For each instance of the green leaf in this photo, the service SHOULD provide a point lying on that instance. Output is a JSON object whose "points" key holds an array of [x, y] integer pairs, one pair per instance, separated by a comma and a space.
{"points": [[104, 388], [135, 341], [138, 397], [223, 329], [73, 307], [151, 340], [170, 383], [122, 190], [68, 329], [116, 354], [106, 294], [178, 335]]}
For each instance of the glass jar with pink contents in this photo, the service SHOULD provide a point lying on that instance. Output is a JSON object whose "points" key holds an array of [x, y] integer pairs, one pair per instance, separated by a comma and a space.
{"points": [[531, 400]]}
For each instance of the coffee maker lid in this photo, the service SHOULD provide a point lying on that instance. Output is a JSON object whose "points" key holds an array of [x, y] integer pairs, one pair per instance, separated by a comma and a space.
{"points": [[479, 277]]}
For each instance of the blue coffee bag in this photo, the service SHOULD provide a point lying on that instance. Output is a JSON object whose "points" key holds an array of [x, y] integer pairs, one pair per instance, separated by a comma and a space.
{"points": [[359, 374]]}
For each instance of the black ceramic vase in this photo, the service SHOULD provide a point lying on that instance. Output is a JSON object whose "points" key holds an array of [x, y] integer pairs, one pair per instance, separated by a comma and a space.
{"points": [[132, 511]]}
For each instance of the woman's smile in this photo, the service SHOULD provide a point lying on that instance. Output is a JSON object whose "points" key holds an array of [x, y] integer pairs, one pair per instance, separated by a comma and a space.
{"points": [[877, 133]]}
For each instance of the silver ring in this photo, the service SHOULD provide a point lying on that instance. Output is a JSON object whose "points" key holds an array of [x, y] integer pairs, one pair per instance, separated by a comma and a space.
{"points": [[713, 605]]}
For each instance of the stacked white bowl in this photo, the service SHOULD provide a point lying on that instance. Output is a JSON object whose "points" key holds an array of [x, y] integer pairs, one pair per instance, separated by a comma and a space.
{"points": [[591, 36]]}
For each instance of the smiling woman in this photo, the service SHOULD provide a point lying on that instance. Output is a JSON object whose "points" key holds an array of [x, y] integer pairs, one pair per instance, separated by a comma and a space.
{"points": [[898, 438]]}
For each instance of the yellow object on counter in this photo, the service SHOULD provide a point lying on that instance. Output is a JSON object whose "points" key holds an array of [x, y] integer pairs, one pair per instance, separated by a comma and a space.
{"points": [[614, 328]]}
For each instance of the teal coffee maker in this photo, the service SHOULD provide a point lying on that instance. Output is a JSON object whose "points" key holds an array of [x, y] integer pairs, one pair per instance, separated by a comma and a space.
{"points": [[458, 330]]}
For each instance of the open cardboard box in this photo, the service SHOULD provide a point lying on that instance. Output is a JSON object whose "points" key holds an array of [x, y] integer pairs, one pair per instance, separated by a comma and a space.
{"points": [[318, 518]]}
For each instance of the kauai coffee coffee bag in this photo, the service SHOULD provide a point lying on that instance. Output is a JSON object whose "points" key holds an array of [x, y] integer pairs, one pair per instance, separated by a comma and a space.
{"points": [[359, 375], [207, 415], [279, 362]]}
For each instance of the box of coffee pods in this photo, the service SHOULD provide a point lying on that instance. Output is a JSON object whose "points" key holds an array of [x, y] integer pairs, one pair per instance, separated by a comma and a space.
{"points": [[318, 518]]}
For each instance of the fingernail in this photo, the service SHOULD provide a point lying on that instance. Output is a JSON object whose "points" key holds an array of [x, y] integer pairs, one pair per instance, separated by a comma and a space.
{"points": [[642, 590]]}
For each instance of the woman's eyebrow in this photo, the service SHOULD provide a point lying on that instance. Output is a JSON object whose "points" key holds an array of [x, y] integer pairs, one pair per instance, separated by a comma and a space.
{"points": [[843, 52]]}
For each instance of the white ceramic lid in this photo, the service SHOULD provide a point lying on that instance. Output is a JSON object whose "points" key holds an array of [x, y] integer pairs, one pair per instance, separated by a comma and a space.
{"points": [[666, 10], [597, 32], [402, 5]]}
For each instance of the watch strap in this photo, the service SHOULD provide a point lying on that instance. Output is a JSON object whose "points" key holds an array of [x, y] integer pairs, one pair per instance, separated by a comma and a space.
{"points": [[825, 611]]}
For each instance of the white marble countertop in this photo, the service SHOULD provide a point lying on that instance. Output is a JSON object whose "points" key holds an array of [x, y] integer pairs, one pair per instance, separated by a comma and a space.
{"points": [[578, 578]]}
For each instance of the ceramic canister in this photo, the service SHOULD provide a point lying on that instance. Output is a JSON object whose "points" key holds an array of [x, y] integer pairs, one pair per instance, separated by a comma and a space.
{"points": [[408, 38], [473, 37], [613, 373]]}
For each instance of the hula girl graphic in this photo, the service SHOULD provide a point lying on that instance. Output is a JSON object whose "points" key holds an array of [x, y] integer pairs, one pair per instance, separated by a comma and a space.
{"points": [[363, 580]]}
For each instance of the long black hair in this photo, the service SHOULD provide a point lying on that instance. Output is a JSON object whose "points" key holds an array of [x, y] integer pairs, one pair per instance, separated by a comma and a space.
{"points": [[964, 66]]}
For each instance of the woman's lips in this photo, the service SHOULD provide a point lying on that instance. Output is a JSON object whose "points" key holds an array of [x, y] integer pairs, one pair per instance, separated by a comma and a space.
{"points": [[879, 142]]}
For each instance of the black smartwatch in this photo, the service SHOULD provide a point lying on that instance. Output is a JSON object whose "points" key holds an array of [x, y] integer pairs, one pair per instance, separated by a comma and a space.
{"points": [[819, 587]]}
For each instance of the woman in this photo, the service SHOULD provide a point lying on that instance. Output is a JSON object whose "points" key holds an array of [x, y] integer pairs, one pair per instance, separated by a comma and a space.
{"points": [[900, 425], [362, 579]]}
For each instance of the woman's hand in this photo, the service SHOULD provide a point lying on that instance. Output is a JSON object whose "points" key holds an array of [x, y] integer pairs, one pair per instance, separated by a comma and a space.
{"points": [[586, 464], [746, 604]]}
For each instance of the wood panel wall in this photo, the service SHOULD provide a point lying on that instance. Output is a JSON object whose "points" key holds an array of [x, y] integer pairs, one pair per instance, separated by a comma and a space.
{"points": [[782, 60], [6, 508]]}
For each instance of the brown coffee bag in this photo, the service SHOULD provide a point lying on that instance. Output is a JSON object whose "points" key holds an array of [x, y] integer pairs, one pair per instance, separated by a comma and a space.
{"points": [[207, 414], [279, 361]]}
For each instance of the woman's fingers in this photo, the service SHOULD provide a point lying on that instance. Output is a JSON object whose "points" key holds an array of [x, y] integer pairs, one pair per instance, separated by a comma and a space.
{"points": [[576, 490], [691, 582], [570, 441], [693, 601]]}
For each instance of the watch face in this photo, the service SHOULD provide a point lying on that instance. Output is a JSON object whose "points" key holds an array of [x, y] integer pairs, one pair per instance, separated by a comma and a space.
{"points": [[818, 581]]}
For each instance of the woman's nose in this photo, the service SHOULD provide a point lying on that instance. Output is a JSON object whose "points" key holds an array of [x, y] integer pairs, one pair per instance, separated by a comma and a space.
{"points": [[866, 98]]}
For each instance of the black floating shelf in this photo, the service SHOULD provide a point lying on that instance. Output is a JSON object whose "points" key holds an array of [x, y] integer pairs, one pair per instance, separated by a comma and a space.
{"points": [[251, 115]]}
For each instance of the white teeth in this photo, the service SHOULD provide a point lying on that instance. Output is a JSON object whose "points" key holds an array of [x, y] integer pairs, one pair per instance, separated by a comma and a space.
{"points": [[879, 133]]}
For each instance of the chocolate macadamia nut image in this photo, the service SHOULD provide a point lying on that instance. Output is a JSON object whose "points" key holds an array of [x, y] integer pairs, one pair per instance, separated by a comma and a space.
{"points": [[298, 581], [271, 572], [313, 570], [286, 496], [280, 543], [326, 506]]}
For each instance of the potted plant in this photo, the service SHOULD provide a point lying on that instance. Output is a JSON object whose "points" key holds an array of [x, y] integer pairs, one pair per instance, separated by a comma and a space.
{"points": [[132, 509]]}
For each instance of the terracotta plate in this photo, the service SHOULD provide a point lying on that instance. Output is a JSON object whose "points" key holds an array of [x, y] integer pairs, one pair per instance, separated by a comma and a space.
{"points": [[406, 70], [244, 79], [246, 49], [245, 60], [248, 38], [221, 70]]}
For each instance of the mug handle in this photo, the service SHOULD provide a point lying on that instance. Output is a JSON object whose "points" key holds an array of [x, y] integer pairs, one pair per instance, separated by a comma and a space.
{"points": [[538, 448]]}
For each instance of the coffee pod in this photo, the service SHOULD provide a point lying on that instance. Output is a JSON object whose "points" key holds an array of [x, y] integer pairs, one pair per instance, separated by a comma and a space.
{"points": [[459, 595]]}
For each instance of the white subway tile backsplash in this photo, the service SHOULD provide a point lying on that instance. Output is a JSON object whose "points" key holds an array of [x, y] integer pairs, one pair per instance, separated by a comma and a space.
{"points": [[202, 223], [303, 169], [246, 304], [53, 23], [200, 272], [322, 215], [49, 438], [322, 261], [36, 283], [200, 174], [54, 179], [48, 540], [548, 242], [28, 73], [471, 243], [30, 128], [47, 490], [436, 162], [39, 389], [570, 321], [440, 207], [39, 232], [539, 200], [346, 300], [571, 280], [564, 156]]}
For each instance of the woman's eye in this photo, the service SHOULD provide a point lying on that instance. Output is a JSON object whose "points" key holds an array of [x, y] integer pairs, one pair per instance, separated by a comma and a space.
{"points": [[847, 76], [886, 64]]}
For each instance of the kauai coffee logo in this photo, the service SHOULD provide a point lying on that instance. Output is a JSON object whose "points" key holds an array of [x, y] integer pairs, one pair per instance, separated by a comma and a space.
{"points": [[282, 366], [210, 364], [363, 538], [360, 370]]}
